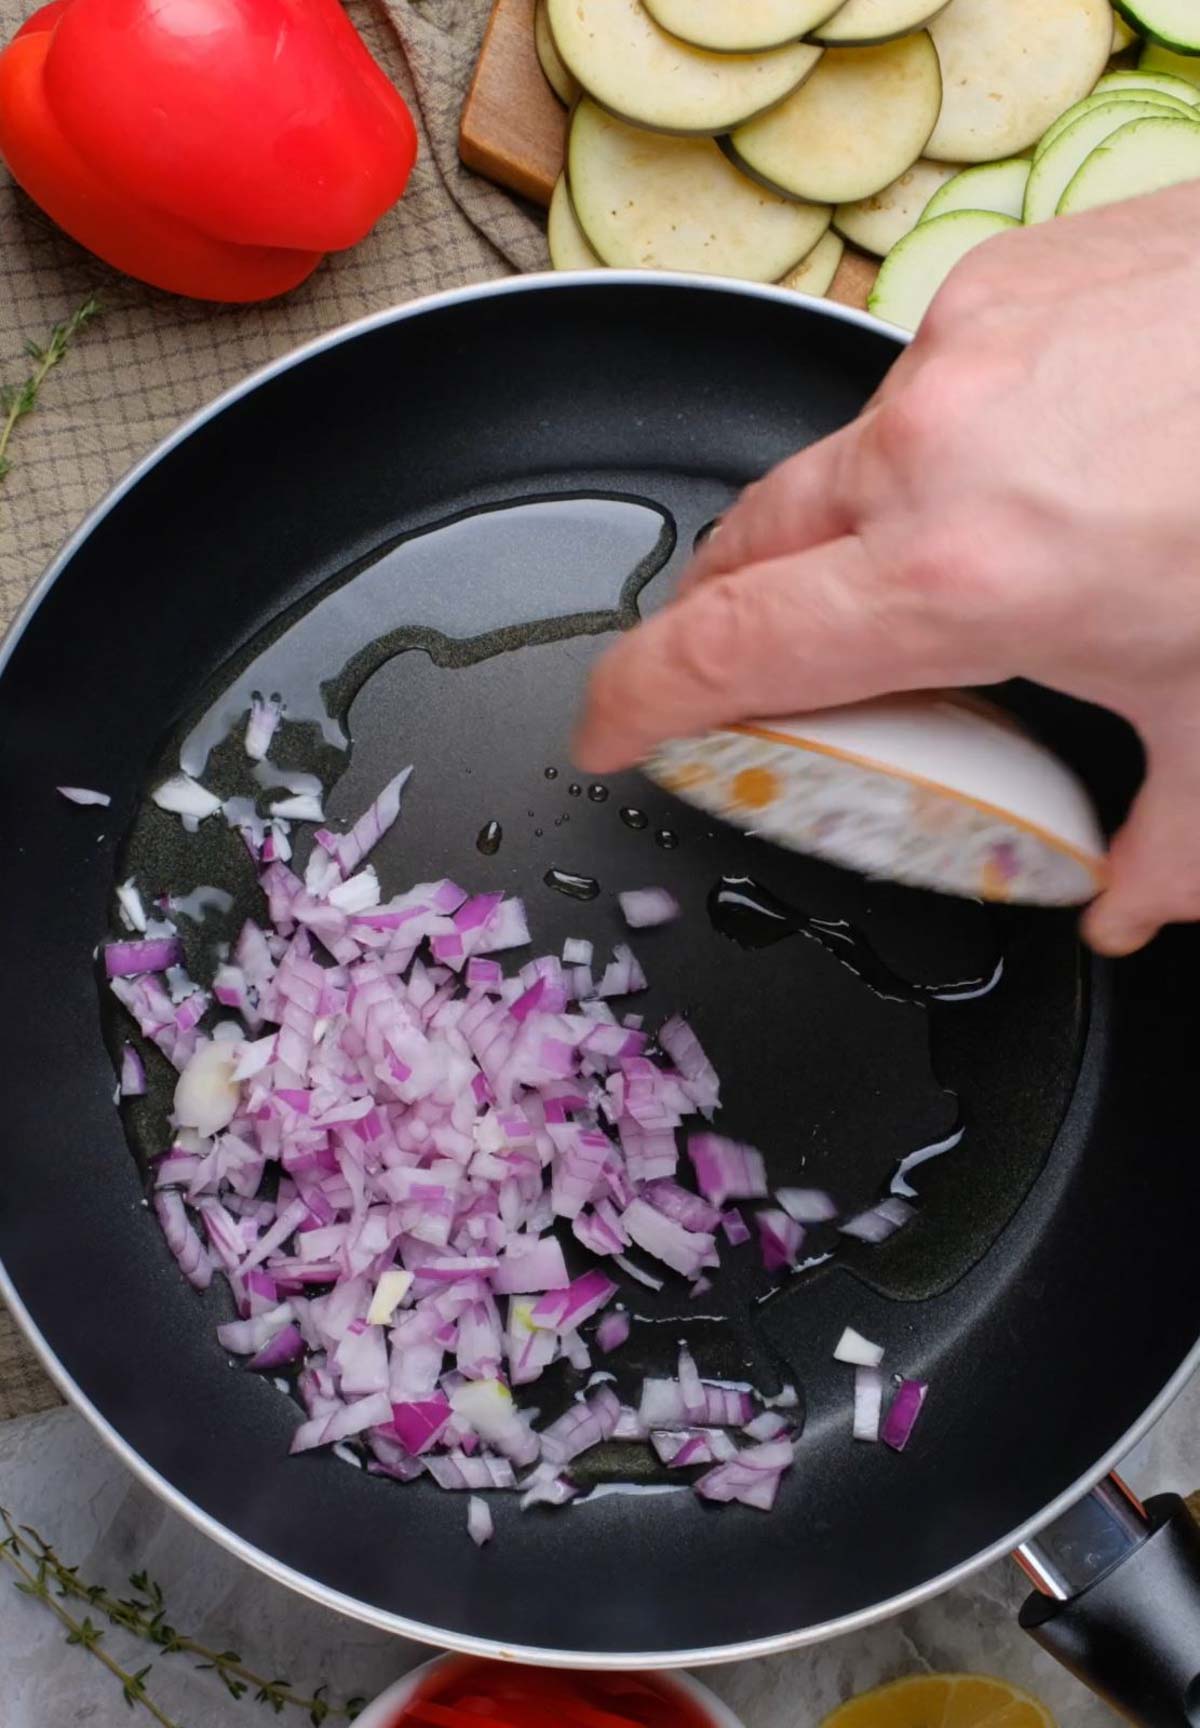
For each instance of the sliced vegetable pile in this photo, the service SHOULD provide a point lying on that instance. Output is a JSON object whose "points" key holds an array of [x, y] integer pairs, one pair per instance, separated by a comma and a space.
{"points": [[382, 1142], [751, 138]]}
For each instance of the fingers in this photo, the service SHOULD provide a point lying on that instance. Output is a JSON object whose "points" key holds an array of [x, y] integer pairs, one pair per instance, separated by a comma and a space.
{"points": [[1155, 867], [798, 505], [794, 634]]}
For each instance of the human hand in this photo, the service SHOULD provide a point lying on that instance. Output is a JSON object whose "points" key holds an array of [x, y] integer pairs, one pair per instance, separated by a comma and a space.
{"points": [[1020, 499]]}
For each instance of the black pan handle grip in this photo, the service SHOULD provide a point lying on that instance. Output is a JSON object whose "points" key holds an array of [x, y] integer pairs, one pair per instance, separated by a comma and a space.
{"points": [[1118, 1602]]}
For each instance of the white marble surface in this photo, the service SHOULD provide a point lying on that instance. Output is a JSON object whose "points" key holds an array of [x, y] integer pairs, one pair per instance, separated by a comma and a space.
{"points": [[55, 1475]]}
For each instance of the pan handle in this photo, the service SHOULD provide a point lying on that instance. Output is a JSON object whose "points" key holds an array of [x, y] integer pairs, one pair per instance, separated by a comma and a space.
{"points": [[1118, 1602]]}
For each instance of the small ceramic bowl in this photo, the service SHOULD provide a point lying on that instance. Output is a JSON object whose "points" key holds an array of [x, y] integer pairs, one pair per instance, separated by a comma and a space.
{"points": [[383, 1712], [942, 791]]}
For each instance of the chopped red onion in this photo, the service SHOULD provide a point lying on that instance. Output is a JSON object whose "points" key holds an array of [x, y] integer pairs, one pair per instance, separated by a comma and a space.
{"points": [[807, 1205], [133, 1073], [683, 1207], [685, 1251], [769, 1426], [900, 1184], [902, 1414], [457, 1471], [379, 1141], [735, 1227], [868, 1402], [182, 1240], [569, 1308], [679, 1448], [183, 796], [301, 807], [726, 1169], [880, 1222], [531, 1265], [613, 1331], [622, 976], [586, 1424], [752, 1477], [345, 1421], [691, 1387], [638, 1272], [282, 1351], [780, 1239], [852, 1347], [662, 1405], [151, 954], [133, 912], [265, 714], [546, 1487], [699, 1077], [244, 1337], [643, 908], [83, 795], [480, 1527], [421, 1424]]}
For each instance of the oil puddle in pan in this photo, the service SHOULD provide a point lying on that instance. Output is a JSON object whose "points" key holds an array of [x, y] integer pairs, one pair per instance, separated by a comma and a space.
{"points": [[466, 588], [464, 649], [753, 917]]}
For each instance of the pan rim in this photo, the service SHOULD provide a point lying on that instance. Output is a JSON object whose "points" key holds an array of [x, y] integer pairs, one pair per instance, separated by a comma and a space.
{"points": [[338, 1601]]}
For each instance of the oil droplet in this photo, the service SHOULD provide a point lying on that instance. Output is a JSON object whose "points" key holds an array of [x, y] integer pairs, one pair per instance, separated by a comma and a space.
{"points": [[552, 773], [574, 886], [559, 820], [529, 812], [598, 794], [574, 789], [538, 832], [488, 839], [667, 839], [633, 818]]}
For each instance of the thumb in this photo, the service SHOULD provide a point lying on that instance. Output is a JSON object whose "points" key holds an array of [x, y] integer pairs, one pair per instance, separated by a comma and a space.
{"points": [[794, 634], [1154, 864]]}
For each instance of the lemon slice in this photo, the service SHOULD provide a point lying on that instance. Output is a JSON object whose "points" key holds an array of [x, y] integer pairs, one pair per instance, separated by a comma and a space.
{"points": [[943, 1701]]}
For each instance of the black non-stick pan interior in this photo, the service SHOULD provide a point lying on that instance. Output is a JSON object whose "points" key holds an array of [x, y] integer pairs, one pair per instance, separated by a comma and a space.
{"points": [[423, 534]]}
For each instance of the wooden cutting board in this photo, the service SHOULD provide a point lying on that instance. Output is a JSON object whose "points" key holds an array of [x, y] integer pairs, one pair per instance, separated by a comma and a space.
{"points": [[514, 129]]}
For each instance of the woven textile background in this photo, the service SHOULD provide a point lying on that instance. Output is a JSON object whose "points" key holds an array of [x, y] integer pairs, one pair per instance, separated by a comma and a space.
{"points": [[151, 360]]}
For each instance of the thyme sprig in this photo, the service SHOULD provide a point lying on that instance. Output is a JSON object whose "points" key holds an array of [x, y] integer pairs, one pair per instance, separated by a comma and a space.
{"points": [[18, 400], [43, 1575]]}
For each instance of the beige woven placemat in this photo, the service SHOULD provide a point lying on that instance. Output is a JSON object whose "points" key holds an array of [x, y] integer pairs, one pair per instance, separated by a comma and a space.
{"points": [[151, 359]]}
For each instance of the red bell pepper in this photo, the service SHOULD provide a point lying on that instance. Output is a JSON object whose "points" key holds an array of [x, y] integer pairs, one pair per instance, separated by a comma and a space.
{"points": [[215, 148]]}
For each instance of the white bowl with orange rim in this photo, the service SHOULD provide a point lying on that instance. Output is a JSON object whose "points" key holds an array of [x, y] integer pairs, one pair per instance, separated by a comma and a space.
{"points": [[940, 790]]}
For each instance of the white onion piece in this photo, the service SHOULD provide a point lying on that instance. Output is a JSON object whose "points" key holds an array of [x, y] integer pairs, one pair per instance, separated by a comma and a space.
{"points": [[303, 807], [643, 908], [868, 1402], [852, 1347], [393, 1286], [133, 913], [83, 795], [183, 796], [480, 1527], [807, 1205], [265, 715]]}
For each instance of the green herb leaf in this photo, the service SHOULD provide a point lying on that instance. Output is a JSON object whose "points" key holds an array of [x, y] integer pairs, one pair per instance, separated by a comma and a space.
{"points": [[18, 400]]}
